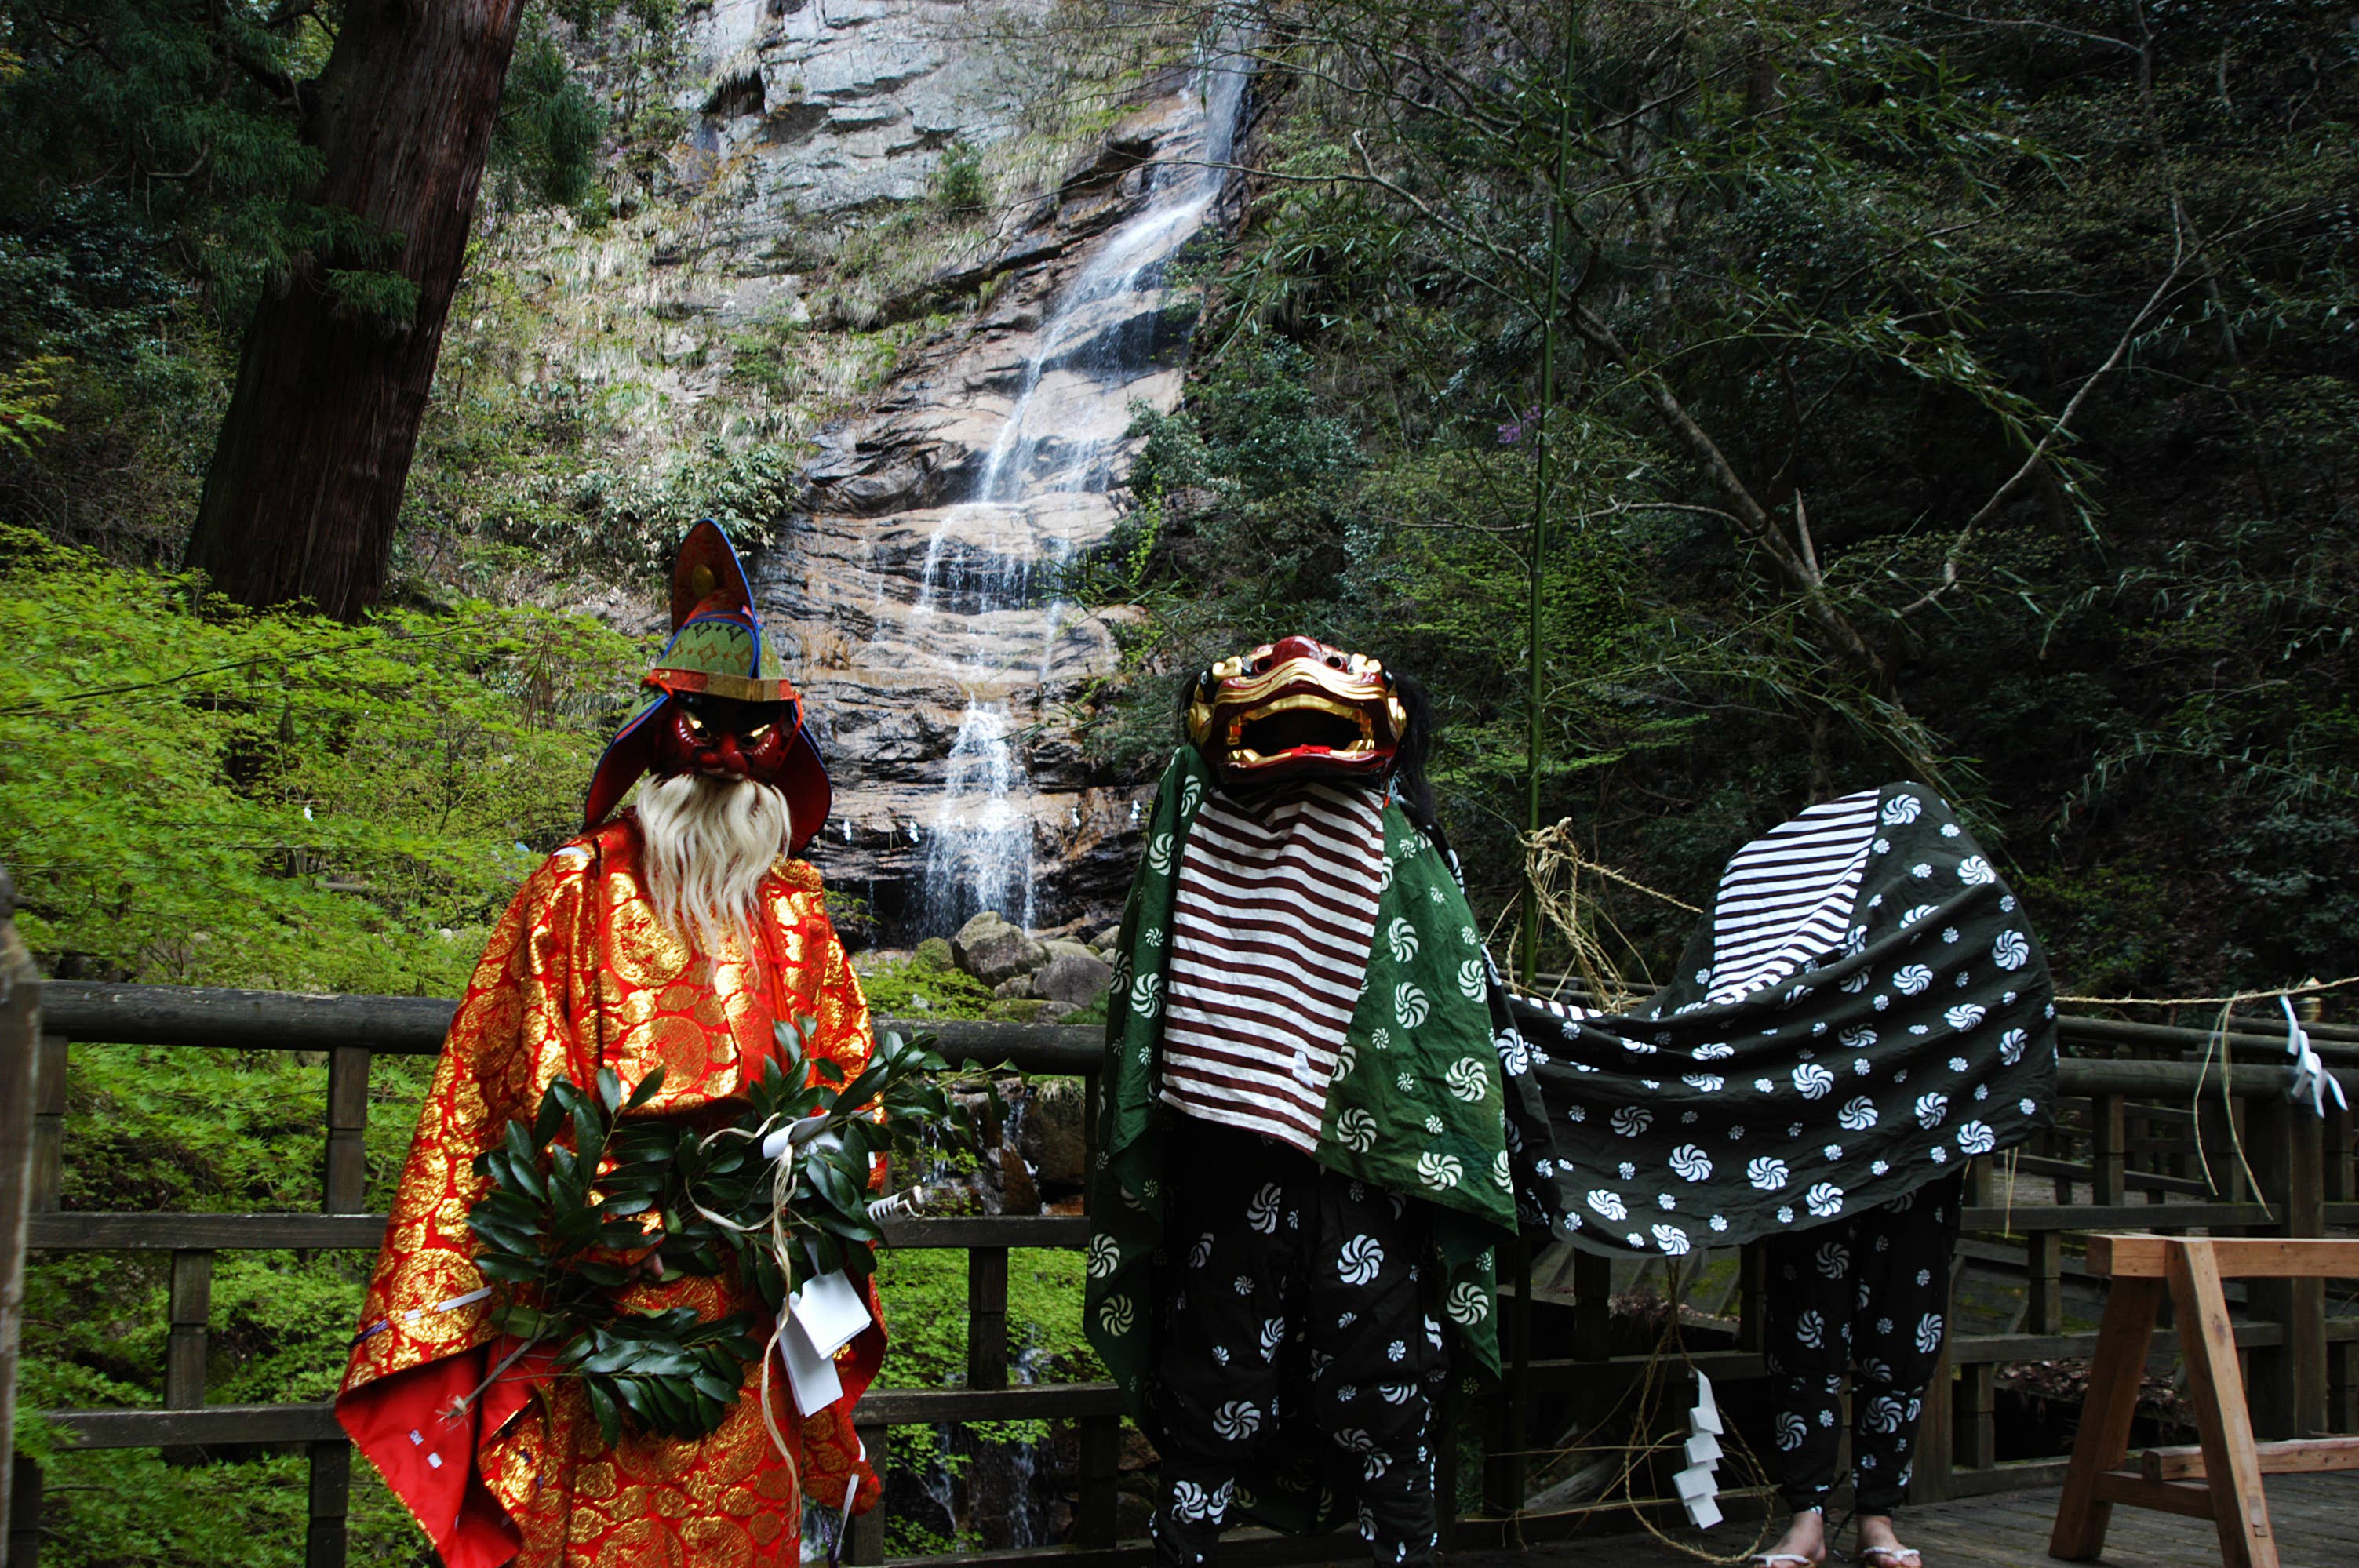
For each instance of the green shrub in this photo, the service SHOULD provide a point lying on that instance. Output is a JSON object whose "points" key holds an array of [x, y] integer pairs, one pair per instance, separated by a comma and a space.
{"points": [[911, 989], [959, 184]]}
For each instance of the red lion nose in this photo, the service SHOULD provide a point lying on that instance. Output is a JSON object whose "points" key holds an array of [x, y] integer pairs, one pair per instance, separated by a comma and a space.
{"points": [[1296, 647]]}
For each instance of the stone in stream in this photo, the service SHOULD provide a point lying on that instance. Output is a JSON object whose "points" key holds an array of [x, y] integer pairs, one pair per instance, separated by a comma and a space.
{"points": [[1018, 1195], [1055, 1136], [992, 949]]}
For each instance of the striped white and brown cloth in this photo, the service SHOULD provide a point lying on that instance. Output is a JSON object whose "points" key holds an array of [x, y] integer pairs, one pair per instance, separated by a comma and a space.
{"points": [[1273, 914], [1786, 898]]}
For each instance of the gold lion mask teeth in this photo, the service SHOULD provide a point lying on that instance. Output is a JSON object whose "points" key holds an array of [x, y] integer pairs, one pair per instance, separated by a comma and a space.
{"points": [[1296, 707]]}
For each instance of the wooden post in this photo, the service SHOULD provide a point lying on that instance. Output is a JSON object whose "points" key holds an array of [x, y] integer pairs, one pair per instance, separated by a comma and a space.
{"points": [[2289, 1381], [2044, 1267], [1752, 1299], [865, 1547], [2335, 1155], [342, 1191], [1101, 1457], [2107, 1138], [2161, 1162], [1093, 1103], [1507, 1472], [1975, 1428], [1449, 1417], [190, 1306], [1592, 1328], [986, 1310], [2239, 1510], [21, 1036], [1982, 1183], [24, 1535], [346, 1178], [332, 1486], [48, 1124], [2106, 1412]]}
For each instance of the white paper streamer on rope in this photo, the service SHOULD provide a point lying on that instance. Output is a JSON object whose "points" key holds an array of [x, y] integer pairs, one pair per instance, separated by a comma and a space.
{"points": [[1698, 1486], [2310, 1078]]}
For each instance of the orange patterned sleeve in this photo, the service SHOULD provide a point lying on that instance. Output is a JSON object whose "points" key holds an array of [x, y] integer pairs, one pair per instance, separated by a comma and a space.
{"points": [[425, 1320]]}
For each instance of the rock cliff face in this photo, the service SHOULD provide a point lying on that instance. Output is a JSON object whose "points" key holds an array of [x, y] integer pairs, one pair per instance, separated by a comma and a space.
{"points": [[919, 591]]}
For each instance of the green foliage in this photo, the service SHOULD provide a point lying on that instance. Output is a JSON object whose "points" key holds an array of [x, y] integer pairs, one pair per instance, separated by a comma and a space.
{"points": [[1959, 395], [911, 989], [25, 393], [959, 185], [188, 792], [388, 299], [545, 143], [130, 368], [636, 518], [187, 110]]}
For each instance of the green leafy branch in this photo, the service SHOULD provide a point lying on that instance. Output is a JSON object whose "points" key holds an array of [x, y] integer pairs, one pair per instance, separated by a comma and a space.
{"points": [[587, 1201]]}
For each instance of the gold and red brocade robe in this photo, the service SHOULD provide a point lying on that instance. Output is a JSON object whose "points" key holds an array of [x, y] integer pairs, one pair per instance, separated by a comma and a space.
{"points": [[581, 973]]}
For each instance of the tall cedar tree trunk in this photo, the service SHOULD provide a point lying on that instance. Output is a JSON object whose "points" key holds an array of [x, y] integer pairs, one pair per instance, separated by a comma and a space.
{"points": [[305, 484]]}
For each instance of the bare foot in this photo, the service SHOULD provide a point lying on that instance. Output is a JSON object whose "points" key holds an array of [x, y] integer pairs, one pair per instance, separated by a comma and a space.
{"points": [[1805, 1540], [1879, 1548]]}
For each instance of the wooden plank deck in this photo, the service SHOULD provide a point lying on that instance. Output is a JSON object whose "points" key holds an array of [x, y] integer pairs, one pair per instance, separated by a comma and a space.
{"points": [[2315, 1518]]}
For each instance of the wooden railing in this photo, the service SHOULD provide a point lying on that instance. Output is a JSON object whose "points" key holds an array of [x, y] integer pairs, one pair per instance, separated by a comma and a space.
{"points": [[2129, 1129]]}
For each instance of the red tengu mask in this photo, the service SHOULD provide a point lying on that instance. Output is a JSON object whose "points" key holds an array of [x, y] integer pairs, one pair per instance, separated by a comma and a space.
{"points": [[724, 738], [1297, 708]]}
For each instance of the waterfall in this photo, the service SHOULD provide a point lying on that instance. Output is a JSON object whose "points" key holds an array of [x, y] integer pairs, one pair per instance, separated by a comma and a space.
{"points": [[1034, 500], [979, 853]]}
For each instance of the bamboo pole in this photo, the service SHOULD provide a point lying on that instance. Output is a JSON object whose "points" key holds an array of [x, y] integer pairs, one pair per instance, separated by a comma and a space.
{"points": [[1536, 642]]}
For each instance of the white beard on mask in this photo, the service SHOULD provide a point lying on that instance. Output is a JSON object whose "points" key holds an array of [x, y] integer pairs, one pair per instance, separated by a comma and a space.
{"points": [[706, 844]]}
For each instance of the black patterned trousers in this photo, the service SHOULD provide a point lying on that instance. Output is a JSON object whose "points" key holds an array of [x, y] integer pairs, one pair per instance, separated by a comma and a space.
{"points": [[1293, 1293], [1867, 1295]]}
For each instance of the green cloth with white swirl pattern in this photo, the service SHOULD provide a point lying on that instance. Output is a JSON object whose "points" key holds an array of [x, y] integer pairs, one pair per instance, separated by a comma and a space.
{"points": [[1909, 1028], [1416, 1104]]}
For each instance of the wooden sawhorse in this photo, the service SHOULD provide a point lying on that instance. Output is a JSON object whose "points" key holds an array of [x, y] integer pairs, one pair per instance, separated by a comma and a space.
{"points": [[2220, 1478]]}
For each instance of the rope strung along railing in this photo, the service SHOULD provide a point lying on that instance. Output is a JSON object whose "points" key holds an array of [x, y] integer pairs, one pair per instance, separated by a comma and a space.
{"points": [[2303, 1362]]}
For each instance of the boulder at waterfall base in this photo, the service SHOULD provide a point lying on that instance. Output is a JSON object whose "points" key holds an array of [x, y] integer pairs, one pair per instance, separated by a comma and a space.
{"points": [[1076, 977], [992, 949]]}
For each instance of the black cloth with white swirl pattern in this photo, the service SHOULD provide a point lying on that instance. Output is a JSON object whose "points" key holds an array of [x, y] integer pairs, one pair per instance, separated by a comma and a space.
{"points": [[1864, 1008]]}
